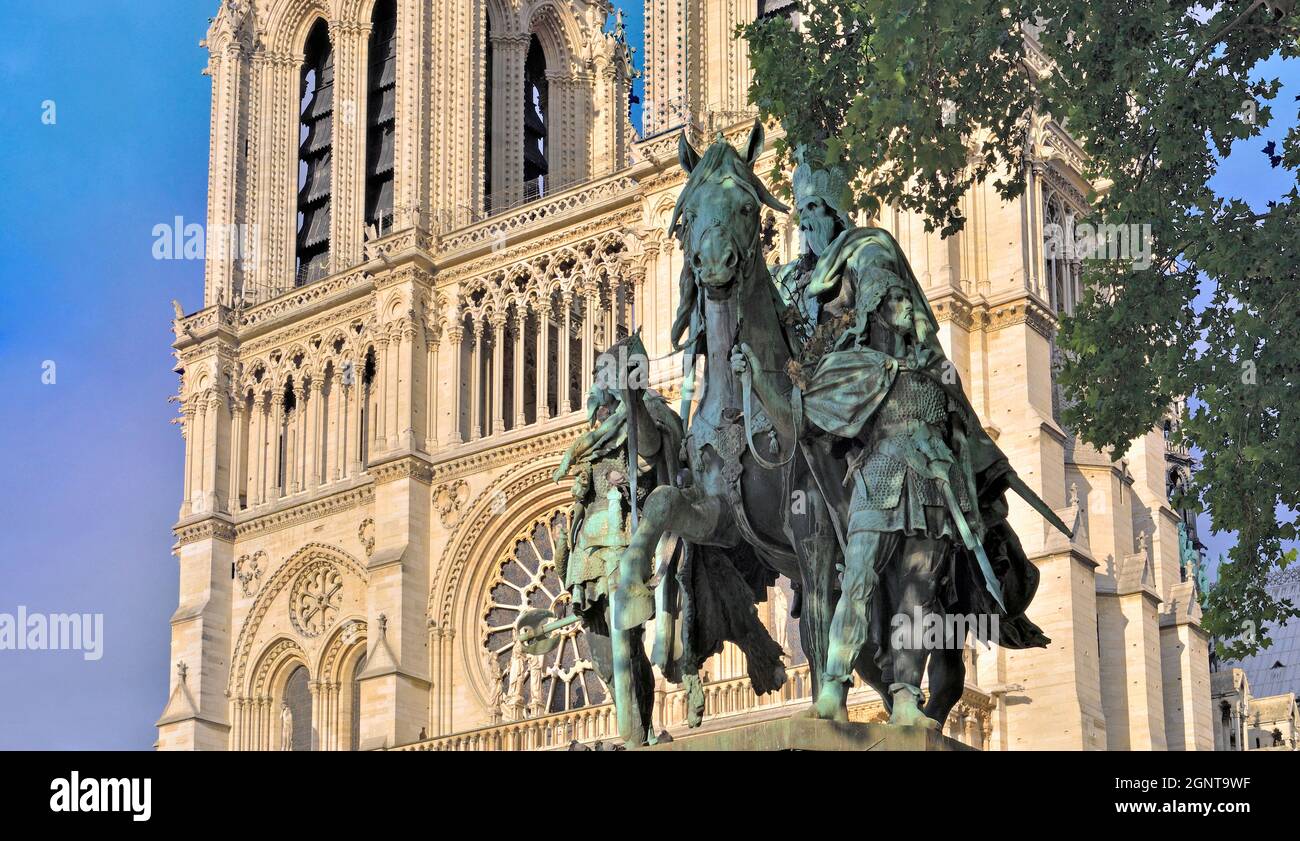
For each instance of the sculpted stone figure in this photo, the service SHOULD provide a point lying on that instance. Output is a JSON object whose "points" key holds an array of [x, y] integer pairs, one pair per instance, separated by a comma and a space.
{"points": [[286, 727]]}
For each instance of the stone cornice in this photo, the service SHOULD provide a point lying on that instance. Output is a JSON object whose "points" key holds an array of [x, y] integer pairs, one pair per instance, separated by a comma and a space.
{"points": [[1022, 311], [402, 466], [210, 527], [543, 216], [952, 305], [488, 457], [411, 243], [256, 522], [534, 247], [304, 329]]}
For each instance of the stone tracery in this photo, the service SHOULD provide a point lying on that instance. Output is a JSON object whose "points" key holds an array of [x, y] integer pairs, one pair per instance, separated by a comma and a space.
{"points": [[523, 685]]}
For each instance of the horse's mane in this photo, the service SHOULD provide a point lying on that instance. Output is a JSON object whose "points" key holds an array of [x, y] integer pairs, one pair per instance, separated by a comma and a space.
{"points": [[720, 161]]}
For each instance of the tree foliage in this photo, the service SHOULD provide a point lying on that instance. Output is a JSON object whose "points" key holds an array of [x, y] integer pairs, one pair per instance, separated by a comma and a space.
{"points": [[921, 99]]}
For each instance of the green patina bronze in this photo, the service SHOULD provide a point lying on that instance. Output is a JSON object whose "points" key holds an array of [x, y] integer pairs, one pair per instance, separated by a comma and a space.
{"points": [[828, 432], [611, 479], [924, 528]]}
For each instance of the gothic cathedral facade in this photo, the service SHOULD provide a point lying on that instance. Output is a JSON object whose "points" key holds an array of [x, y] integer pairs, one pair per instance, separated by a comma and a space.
{"points": [[437, 215]]}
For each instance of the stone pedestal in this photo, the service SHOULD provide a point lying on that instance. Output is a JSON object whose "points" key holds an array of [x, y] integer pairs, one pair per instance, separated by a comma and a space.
{"points": [[807, 734]]}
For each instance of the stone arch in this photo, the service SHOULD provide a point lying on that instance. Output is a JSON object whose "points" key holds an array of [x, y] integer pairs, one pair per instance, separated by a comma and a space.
{"points": [[255, 714], [466, 562], [357, 11], [557, 31], [501, 18], [277, 658], [289, 21], [348, 635], [336, 669], [279, 580]]}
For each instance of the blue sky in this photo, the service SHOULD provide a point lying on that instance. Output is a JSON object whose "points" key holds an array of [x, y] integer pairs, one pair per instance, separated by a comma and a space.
{"points": [[88, 524]]}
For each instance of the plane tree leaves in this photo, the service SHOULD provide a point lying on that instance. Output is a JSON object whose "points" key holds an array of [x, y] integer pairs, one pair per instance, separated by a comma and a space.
{"points": [[922, 99]]}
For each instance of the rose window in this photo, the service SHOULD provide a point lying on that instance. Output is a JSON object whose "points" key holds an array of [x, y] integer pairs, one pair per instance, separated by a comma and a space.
{"points": [[316, 599], [523, 685]]}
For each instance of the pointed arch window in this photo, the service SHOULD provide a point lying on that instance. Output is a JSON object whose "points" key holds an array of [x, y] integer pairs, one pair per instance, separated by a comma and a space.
{"points": [[381, 117], [354, 724], [536, 106], [295, 714], [1062, 268], [316, 143]]}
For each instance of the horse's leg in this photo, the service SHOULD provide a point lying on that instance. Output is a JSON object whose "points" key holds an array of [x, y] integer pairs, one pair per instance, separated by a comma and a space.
{"points": [[691, 515], [633, 686], [643, 682], [819, 552]]}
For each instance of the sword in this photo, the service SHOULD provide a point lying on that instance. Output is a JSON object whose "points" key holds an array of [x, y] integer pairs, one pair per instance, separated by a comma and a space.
{"points": [[981, 557], [1018, 485]]}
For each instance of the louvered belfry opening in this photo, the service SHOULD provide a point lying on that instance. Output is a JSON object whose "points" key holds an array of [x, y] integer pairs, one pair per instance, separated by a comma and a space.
{"points": [[314, 157], [535, 107], [381, 117], [487, 119]]}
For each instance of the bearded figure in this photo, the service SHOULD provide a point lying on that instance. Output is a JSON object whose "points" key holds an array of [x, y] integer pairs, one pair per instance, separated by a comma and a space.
{"points": [[818, 198], [924, 531]]}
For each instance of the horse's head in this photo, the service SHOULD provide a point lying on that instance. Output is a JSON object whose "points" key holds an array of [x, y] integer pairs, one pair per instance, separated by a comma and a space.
{"points": [[717, 218]]}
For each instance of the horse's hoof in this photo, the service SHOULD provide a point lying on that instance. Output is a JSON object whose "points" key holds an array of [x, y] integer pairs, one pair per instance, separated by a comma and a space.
{"points": [[809, 714]]}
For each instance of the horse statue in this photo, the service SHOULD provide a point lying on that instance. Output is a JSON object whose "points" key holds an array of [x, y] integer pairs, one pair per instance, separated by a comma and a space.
{"points": [[747, 495]]}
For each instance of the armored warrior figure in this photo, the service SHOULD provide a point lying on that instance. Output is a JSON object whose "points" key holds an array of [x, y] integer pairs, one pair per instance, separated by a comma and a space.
{"points": [[587, 554], [926, 512]]}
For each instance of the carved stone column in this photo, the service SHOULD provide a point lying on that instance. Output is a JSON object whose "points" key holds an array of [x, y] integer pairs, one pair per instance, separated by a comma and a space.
{"points": [[379, 423], [412, 124], [257, 461], [318, 432], [588, 343], [348, 185], [238, 451], [403, 427], [509, 52], [475, 382], [334, 434], [498, 372], [188, 434], [352, 422], [276, 431], [564, 336], [277, 179], [520, 325], [431, 388], [543, 373], [228, 68], [456, 335], [216, 450]]}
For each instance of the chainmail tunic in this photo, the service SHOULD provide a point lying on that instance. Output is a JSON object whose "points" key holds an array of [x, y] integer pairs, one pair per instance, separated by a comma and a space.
{"points": [[906, 445]]}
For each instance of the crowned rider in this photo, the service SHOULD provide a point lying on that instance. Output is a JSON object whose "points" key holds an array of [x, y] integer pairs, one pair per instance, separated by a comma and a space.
{"points": [[819, 204]]}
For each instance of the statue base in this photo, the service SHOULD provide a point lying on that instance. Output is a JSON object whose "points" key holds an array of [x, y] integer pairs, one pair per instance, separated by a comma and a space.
{"points": [[814, 735]]}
